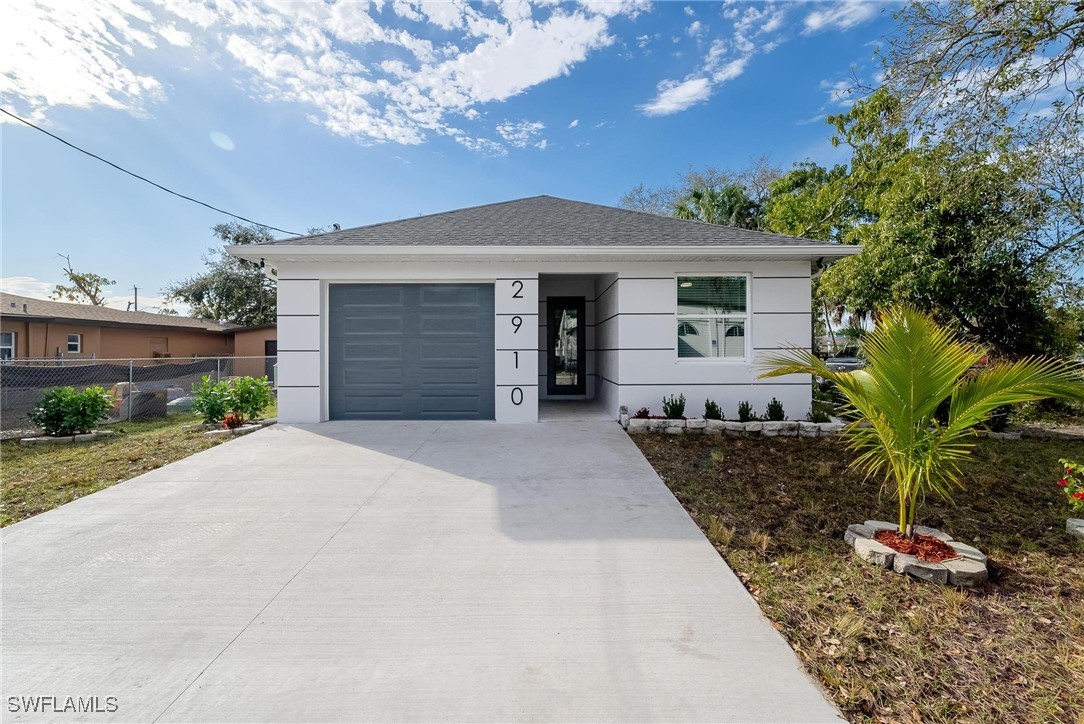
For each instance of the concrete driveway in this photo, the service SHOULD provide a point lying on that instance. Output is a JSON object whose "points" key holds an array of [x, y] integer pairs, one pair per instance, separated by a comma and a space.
{"points": [[390, 572]]}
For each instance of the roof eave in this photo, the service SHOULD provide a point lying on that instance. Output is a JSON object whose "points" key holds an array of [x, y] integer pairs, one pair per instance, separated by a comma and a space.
{"points": [[311, 252]]}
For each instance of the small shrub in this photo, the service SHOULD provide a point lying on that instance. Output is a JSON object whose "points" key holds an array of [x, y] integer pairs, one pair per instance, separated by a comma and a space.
{"points": [[249, 396], [63, 411], [1073, 484], [745, 412], [232, 421], [999, 420], [818, 414], [673, 408], [211, 400], [712, 411], [642, 414], [775, 411], [244, 397]]}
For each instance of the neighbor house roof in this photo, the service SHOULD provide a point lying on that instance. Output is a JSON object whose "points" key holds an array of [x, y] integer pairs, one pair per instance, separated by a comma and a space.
{"points": [[543, 221], [15, 306]]}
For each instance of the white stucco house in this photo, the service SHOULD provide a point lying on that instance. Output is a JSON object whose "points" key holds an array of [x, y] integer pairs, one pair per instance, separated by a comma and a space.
{"points": [[482, 312]]}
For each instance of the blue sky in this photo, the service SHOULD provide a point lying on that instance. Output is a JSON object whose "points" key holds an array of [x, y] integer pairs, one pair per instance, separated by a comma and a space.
{"points": [[307, 114]]}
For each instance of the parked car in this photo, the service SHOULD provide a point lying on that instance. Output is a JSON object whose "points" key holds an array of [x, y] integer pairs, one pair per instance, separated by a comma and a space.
{"points": [[845, 364]]}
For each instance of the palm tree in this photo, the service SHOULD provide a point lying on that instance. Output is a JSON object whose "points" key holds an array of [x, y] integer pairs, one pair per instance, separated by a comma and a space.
{"points": [[729, 205], [914, 365]]}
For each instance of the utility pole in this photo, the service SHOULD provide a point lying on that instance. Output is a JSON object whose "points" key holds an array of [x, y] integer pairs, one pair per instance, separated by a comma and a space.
{"points": [[136, 290]]}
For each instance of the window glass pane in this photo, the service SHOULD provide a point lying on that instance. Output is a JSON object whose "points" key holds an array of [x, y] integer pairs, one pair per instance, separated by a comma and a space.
{"points": [[694, 338], [711, 295], [711, 338], [73, 342]]}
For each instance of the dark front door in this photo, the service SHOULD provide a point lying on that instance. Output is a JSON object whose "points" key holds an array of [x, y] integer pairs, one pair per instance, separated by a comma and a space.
{"points": [[565, 330]]}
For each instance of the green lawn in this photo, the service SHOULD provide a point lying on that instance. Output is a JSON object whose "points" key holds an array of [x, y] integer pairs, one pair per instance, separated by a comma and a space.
{"points": [[41, 477], [884, 647]]}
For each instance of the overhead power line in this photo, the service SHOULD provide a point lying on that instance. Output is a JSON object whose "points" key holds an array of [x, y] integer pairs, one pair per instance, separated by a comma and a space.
{"points": [[143, 178]]}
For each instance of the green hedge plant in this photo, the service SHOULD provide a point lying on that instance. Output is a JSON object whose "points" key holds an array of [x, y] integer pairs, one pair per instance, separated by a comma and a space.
{"points": [[240, 398], [673, 408], [712, 411], [63, 411]]}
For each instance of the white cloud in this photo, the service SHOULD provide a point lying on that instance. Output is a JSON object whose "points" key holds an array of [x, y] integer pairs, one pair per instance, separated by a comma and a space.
{"points": [[383, 73], [674, 97], [27, 287], [484, 146], [841, 16], [695, 29], [755, 29], [689, 11], [521, 134], [575, 122], [839, 92]]}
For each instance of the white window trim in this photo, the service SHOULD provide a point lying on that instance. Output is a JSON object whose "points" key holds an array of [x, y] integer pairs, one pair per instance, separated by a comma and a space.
{"points": [[78, 343], [12, 346], [746, 317]]}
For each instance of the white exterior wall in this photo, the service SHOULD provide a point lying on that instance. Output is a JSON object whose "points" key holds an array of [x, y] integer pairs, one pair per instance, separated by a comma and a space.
{"points": [[631, 337]]}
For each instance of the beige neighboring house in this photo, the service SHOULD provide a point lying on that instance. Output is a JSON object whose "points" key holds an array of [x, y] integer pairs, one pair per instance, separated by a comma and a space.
{"points": [[38, 328]]}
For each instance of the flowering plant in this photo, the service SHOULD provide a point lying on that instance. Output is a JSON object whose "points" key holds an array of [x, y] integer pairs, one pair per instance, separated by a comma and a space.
{"points": [[1073, 484]]}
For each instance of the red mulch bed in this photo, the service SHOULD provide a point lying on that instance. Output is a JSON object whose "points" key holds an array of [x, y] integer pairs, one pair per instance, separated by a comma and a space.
{"points": [[924, 547]]}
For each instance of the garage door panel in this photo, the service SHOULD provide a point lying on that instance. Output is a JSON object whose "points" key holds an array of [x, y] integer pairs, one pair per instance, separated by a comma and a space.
{"points": [[425, 354]]}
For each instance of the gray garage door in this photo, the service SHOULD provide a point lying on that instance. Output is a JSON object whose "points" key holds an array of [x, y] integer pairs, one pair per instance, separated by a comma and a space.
{"points": [[410, 351]]}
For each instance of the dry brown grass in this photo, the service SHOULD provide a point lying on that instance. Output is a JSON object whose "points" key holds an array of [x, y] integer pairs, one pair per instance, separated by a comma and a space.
{"points": [[39, 478], [884, 647]]}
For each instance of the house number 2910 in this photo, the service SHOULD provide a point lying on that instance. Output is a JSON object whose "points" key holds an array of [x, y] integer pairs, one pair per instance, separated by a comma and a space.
{"points": [[517, 322]]}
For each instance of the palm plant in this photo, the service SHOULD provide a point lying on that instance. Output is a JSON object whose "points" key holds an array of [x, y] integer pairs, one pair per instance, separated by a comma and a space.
{"points": [[914, 365]]}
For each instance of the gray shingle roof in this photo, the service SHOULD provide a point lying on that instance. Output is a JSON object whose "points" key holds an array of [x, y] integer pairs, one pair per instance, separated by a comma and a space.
{"points": [[11, 305], [544, 221]]}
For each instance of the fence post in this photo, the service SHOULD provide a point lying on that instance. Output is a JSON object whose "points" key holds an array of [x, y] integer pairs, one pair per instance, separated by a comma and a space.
{"points": [[130, 363], [218, 369]]}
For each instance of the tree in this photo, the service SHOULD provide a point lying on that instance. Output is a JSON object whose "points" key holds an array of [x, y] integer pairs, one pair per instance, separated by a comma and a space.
{"points": [[996, 77], [231, 290], [949, 230], [753, 181], [82, 287], [729, 205], [913, 366]]}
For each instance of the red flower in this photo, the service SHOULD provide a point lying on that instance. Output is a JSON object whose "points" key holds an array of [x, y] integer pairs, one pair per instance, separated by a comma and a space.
{"points": [[1063, 482], [1079, 495]]}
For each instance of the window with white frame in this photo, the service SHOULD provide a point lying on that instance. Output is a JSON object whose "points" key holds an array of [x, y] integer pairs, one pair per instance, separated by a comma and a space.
{"points": [[75, 343], [7, 345], [712, 316]]}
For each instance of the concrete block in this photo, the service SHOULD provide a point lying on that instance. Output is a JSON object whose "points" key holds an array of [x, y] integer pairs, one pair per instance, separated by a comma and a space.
{"points": [[1075, 527], [923, 571], [734, 429], [696, 424], [968, 551], [965, 572], [808, 429], [874, 552]]}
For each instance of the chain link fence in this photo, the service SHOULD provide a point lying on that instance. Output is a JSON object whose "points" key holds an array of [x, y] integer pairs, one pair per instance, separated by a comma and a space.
{"points": [[140, 388]]}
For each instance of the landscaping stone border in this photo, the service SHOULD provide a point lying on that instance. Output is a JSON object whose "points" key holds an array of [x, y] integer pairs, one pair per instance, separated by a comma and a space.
{"points": [[50, 440], [1075, 527], [243, 430], [785, 428], [790, 428], [968, 569]]}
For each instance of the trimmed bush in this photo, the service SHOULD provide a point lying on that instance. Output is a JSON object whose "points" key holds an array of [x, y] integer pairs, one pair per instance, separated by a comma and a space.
{"points": [[775, 411], [63, 411], [250, 396], [642, 414], [745, 412], [712, 411], [211, 400], [673, 408], [242, 398]]}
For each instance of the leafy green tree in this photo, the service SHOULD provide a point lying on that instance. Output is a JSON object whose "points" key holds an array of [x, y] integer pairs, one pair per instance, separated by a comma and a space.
{"points": [[230, 290], [729, 205], [914, 364], [949, 230], [82, 287]]}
